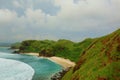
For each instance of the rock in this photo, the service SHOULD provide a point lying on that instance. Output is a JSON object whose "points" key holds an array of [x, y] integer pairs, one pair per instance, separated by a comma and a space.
{"points": [[59, 75]]}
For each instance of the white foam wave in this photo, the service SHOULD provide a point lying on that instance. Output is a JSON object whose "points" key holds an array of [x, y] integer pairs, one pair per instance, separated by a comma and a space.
{"points": [[15, 70]]}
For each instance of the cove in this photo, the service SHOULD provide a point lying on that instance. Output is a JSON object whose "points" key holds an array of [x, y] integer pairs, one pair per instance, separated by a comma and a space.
{"points": [[43, 68]]}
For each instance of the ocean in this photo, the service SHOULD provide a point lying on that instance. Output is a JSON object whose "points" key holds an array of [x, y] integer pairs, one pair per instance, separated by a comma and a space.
{"points": [[25, 67]]}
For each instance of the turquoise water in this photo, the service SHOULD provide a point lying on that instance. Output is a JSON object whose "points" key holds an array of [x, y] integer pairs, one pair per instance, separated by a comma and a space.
{"points": [[43, 68]]}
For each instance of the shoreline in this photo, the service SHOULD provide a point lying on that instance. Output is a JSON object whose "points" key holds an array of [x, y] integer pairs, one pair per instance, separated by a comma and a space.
{"points": [[32, 54], [65, 63]]}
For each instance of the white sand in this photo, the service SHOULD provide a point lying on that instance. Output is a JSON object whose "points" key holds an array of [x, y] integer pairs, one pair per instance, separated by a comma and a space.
{"points": [[61, 61], [33, 54]]}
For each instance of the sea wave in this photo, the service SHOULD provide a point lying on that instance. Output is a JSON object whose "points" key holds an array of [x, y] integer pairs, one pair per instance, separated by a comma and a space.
{"points": [[15, 70]]}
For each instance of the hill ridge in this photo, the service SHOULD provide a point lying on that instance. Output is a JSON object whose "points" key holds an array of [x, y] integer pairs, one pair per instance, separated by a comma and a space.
{"points": [[100, 61]]}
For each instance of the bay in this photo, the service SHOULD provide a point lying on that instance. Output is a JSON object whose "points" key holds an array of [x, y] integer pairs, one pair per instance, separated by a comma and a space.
{"points": [[43, 68]]}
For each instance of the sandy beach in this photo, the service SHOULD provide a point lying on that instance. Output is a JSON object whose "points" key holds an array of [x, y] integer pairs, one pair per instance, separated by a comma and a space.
{"points": [[33, 54], [61, 61]]}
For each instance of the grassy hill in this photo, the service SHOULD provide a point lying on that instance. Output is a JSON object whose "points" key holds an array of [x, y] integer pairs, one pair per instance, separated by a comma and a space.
{"points": [[62, 48], [99, 61], [15, 45]]}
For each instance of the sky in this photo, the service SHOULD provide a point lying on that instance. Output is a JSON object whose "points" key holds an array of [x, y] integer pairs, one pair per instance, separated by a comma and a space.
{"points": [[57, 19]]}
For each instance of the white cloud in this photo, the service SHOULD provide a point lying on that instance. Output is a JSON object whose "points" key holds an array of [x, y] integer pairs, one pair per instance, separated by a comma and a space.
{"points": [[88, 14], [17, 4], [35, 16], [7, 16], [83, 17]]}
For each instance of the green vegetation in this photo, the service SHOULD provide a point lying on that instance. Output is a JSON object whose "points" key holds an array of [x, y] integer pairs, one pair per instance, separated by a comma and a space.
{"points": [[16, 45], [62, 48], [99, 61], [45, 47]]}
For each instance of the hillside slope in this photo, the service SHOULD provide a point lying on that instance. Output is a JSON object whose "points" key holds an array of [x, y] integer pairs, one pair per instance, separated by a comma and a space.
{"points": [[100, 61], [61, 48]]}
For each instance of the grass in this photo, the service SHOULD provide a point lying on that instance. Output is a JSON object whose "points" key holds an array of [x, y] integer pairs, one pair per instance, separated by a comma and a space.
{"points": [[100, 61]]}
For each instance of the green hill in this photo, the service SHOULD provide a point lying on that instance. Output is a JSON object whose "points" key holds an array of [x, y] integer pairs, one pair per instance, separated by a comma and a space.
{"points": [[15, 45], [99, 61], [62, 48]]}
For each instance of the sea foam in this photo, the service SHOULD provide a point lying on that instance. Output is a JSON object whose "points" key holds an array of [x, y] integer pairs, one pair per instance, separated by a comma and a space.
{"points": [[15, 70]]}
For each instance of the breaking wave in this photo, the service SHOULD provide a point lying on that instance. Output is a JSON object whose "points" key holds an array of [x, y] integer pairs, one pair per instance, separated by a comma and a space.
{"points": [[15, 70]]}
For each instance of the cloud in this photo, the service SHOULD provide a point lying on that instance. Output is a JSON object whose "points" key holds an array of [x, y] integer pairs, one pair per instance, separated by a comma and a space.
{"points": [[47, 6], [17, 4], [88, 15], [55, 19], [6, 16]]}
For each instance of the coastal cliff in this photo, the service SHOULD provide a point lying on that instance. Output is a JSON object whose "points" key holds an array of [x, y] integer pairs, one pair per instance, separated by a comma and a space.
{"points": [[100, 61]]}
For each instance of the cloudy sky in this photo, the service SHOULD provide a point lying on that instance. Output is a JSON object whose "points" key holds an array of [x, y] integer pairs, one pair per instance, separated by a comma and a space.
{"points": [[57, 19]]}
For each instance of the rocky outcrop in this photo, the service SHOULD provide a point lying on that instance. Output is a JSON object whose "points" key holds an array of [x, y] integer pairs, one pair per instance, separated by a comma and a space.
{"points": [[59, 75]]}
